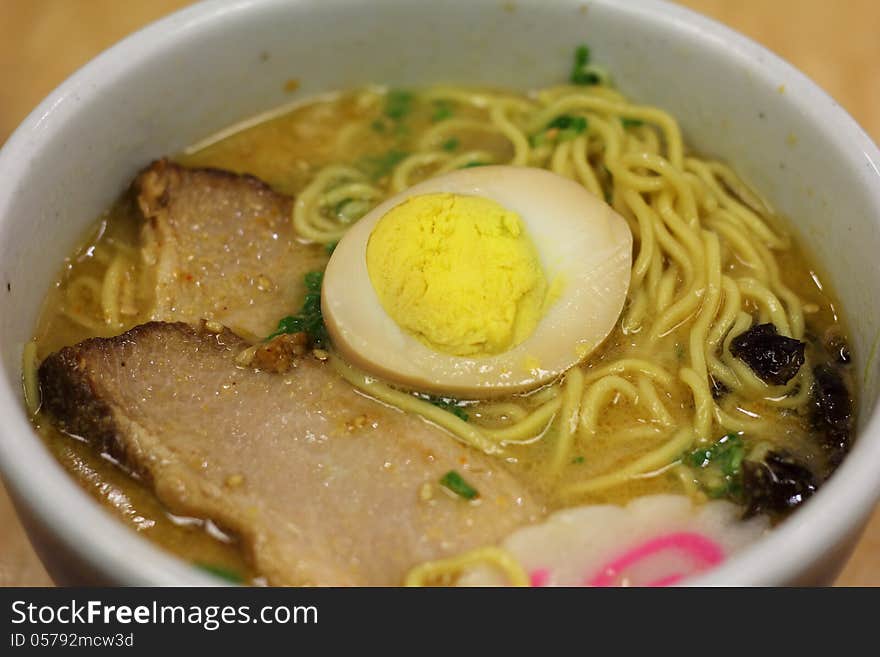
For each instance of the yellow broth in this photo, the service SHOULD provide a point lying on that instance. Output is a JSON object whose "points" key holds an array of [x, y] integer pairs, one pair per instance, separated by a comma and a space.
{"points": [[286, 150]]}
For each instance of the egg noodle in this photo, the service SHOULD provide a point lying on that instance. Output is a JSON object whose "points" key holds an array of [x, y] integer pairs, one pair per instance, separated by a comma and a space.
{"points": [[705, 267], [104, 303], [691, 218], [444, 571]]}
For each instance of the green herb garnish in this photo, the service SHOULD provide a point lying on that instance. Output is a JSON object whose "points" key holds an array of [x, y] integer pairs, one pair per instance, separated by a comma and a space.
{"points": [[330, 247], [456, 483], [567, 122], [309, 319], [577, 460], [631, 123], [581, 73], [313, 281], [727, 454], [398, 104], [222, 572], [471, 164], [447, 404], [442, 111], [450, 404], [719, 466], [562, 128], [569, 127], [450, 144]]}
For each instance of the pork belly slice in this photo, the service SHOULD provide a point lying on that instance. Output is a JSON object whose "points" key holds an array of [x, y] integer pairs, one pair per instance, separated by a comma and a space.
{"points": [[223, 246], [322, 485]]}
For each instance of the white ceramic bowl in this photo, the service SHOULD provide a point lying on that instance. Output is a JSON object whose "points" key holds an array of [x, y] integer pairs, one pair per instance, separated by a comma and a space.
{"points": [[216, 63]]}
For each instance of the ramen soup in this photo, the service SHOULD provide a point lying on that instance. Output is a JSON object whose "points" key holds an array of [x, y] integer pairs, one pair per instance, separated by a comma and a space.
{"points": [[445, 336]]}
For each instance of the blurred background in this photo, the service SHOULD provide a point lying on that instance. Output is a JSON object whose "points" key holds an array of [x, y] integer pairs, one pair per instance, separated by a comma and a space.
{"points": [[44, 41]]}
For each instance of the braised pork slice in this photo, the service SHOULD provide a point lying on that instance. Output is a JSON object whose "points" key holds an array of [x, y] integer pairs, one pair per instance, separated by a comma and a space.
{"points": [[322, 485], [223, 246]]}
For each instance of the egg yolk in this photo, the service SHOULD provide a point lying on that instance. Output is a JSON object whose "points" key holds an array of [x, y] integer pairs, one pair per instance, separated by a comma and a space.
{"points": [[457, 272]]}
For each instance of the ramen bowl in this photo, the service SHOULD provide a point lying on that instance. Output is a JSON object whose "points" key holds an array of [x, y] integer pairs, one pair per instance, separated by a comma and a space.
{"points": [[214, 64]]}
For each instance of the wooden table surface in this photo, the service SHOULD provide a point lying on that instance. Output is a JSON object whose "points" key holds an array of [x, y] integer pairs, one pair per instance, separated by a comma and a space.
{"points": [[44, 41]]}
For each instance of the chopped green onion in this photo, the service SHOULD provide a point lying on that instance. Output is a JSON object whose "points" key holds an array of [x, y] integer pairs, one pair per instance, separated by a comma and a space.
{"points": [[581, 73], [631, 123], [313, 280], [727, 454], [456, 483], [577, 460], [568, 126], [309, 319], [447, 404], [719, 466], [450, 144], [568, 122], [472, 164], [222, 572], [398, 104], [442, 111], [331, 247], [289, 324], [565, 127]]}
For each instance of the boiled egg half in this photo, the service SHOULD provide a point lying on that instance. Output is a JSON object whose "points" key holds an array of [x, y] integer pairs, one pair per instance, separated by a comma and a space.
{"points": [[478, 283]]}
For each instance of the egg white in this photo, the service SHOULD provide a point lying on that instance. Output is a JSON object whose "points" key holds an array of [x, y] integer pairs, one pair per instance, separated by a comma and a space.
{"points": [[580, 240]]}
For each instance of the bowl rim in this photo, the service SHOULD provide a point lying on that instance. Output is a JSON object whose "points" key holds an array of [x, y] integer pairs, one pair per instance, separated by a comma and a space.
{"points": [[118, 554]]}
